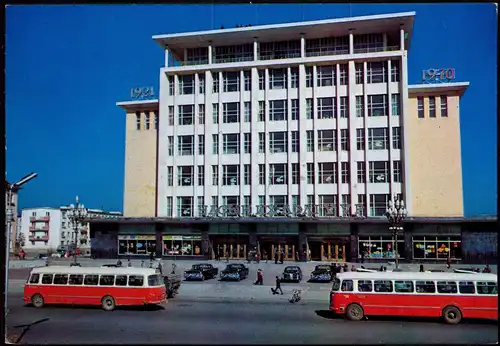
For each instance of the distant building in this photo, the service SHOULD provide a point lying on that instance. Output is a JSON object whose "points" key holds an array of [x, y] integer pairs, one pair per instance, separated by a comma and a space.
{"points": [[14, 202]]}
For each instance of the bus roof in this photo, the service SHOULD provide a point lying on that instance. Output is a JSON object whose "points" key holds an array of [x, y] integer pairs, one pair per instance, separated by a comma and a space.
{"points": [[417, 276], [94, 270]]}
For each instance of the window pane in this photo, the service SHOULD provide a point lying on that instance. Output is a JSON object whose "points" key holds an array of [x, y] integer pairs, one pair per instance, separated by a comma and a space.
{"points": [[466, 287], [47, 279], [136, 280], [60, 279], [34, 279], [347, 286], [383, 286], [121, 280], [76, 279], [106, 280], [365, 286], [403, 286], [425, 287], [487, 288], [448, 287], [91, 280]]}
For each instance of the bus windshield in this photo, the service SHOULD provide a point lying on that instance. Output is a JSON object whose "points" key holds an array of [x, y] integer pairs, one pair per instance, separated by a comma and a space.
{"points": [[336, 285], [155, 280]]}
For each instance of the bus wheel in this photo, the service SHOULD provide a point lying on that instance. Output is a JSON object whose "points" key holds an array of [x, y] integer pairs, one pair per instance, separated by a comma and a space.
{"points": [[354, 312], [452, 315], [108, 303], [37, 301]]}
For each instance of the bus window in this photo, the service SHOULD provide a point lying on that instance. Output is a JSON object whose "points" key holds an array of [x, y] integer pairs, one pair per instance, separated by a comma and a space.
{"points": [[106, 280], [347, 286], [121, 280], [155, 280], [76, 279], [47, 279], [425, 287], [487, 288], [61, 279], [403, 286], [91, 280], [336, 284], [365, 285], [136, 280], [383, 286], [34, 279], [466, 287], [447, 287]]}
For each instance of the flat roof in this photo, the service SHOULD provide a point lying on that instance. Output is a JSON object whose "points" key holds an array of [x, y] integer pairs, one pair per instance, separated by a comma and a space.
{"points": [[418, 89], [416, 276], [286, 31], [94, 270], [138, 104]]}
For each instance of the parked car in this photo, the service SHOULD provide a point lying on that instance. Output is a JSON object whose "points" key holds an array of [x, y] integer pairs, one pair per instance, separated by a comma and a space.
{"points": [[322, 273], [292, 274], [234, 272], [202, 271], [172, 283]]}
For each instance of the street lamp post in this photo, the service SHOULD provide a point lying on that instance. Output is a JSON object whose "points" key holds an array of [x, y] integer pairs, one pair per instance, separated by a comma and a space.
{"points": [[396, 213], [77, 214]]}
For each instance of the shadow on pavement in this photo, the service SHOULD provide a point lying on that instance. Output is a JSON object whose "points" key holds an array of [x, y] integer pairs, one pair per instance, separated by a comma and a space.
{"points": [[98, 307]]}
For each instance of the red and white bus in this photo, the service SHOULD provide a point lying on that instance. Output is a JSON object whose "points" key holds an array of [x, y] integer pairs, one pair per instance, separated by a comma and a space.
{"points": [[448, 295], [108, 287]]}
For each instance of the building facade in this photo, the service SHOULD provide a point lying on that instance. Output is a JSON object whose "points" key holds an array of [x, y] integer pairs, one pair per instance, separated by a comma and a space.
{"points": [[14, 202], [268, 125]]}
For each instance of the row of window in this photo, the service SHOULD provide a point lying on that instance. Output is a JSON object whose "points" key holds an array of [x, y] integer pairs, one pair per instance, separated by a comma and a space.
{"points": [[408, 286], [443, 106], [326, 76], [379, 172], [328, 204], [277, 142], [146, 125], [93, 280]]}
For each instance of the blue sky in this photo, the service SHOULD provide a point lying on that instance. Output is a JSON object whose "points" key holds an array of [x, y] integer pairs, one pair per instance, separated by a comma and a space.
{"points": [[67, 66]]}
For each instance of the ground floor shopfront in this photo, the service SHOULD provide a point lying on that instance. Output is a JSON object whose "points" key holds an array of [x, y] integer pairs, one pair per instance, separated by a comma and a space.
{"points": [[368, 241]]}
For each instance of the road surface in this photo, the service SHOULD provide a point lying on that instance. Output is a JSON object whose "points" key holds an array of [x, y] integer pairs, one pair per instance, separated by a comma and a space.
{"points": [[186, 320]]}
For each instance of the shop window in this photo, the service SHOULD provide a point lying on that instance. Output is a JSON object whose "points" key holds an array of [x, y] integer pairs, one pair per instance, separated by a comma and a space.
{"points": [[425, 287], [432, 247], [182, 246], [380, 247], [136, 245]]}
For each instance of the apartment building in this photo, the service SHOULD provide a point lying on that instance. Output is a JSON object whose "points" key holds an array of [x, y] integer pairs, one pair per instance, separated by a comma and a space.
{"points": [[299, 116], [14, 202]]}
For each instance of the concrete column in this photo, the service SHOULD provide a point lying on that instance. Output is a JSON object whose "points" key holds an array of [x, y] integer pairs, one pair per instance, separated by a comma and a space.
{"points": [[402, 39], [166, 56], [185, 55], [351, 42], [354, 243], [255, 49], [384, 41], [302, 46], [210, 54]]}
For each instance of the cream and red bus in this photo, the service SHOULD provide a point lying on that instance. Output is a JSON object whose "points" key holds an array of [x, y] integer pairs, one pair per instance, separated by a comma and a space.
{"points": [[108, 287], [448, 295]]}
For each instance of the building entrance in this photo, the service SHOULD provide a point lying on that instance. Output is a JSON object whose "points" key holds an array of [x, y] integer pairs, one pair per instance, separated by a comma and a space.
{"points": [[331, 250], [271, 246], [232, 248]]}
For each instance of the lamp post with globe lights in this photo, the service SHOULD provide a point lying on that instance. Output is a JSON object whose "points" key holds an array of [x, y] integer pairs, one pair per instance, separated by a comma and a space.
{"points": [[77, 214], [395, 213]]}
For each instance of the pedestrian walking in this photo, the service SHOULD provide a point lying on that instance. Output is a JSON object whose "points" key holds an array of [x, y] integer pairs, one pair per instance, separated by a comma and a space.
{"points": [[160, 268], [276, 256], [282, 256], [142, 264], [227, 256], [421, 268], [278, 286], [260, 278]]}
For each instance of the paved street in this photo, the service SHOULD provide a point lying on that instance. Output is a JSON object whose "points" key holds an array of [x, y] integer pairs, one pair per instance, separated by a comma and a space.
{"points": [[187, 320]]}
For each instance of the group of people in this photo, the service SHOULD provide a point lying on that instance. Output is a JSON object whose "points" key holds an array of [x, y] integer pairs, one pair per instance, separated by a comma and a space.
{"points": [[260, 281], [151, 261]]}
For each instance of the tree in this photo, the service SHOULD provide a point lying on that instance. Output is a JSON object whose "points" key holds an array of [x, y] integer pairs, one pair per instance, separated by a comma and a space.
{"points": [[21, 240]]}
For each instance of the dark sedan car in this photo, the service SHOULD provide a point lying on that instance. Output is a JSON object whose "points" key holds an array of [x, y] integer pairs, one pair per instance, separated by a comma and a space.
{"points": [[201, 272], [234, 272], [292, 274], [322, 273]]}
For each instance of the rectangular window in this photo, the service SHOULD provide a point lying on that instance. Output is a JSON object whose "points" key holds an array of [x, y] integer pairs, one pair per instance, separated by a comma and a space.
{"points": [[344, 107], [379, 171], [359, 73], [185, 175], [344, 172], [171, 85], [328, 205], [184, 209], [89, 280], [231, 81], [432, 107], [262, 142], [295, 173], [138, 121], [396, 137], [215, 113], [201, 114], [295, 142], [361, 168], [262, 200], [360, 107], [262, 111], [398, 172], [360, 139], [185, 145], [231, 112], [247, 112], [403, 286], [215, 175], [201, 205], [361, 205], [309, 76], [420, 106], [294, 77], [215, 201], [343, 74], [147, 120], [215, 82], [310, 200], [279, 201], [169, 206], [74, 279], [201, 175], [344, 139], [262, 174], [247, 143], [309, 108], [378, 138], [378, 204], [170, 145], [231, 175], [365, 285], [170, 176], [347, 286], [106, 280], [295, 199], [278, 174], [277, 110], [345, 205], [376, 72], [325, 76], [171, 115], [201, 144], [186, 84], [394, 70], [327, 140], [295, 109], [215, 144], [395, 104], [447, 287], [444, 106], [201, 83], [231, 143], [310, 173], [186, 115], [247, 76], [60, 279], [247, 206], [277, 78], [326, 108], [466, 287], [425, 287], [278, 142], [262, 81], [310, 140], [383, 286], [377, 105], [487, 288], [327, 172], [156, 119], [247, 175]]}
